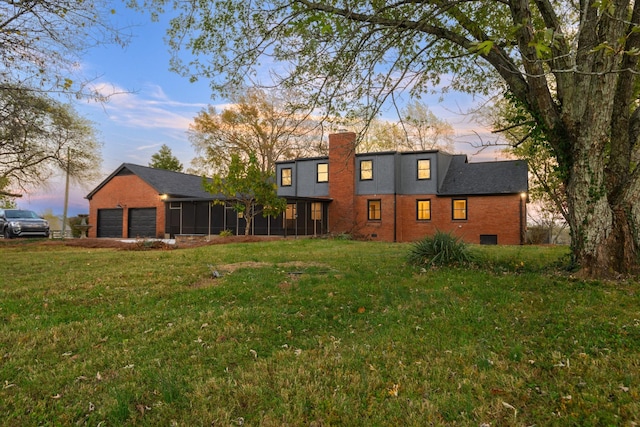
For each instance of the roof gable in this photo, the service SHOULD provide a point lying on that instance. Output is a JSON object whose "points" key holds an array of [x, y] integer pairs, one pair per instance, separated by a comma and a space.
{"points": [[173, 184]]}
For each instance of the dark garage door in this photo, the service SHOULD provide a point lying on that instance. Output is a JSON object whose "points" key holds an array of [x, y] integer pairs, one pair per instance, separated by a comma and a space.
{"points": [[142, 222], [109, 223]]}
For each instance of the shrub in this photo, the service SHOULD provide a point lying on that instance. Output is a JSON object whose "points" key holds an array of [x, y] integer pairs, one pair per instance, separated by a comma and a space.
{"points": [[343, 236], [441, 249], [226, 233]]}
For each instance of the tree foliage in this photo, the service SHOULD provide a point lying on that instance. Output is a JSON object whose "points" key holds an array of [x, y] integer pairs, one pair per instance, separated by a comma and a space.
{"points": [[43, 40], [40, 136], [417, 129], [527, 141], [248, 189], [259, 122], [424, 130], [572, 65], [164, 159]]}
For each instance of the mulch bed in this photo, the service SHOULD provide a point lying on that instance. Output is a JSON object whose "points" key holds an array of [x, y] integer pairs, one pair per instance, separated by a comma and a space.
{"points": [[138, 245]]}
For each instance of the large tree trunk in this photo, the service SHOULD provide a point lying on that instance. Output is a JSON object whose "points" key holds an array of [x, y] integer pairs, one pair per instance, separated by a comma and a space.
{"points": [[602, 220], [592, 138], [604, 242]]}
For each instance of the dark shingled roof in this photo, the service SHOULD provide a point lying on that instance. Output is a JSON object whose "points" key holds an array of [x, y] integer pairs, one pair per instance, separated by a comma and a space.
{"points": [[173, 184], [504, 177]]}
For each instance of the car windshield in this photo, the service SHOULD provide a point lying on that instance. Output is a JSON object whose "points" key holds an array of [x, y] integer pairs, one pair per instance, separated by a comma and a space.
{"points": [[21, 214]]}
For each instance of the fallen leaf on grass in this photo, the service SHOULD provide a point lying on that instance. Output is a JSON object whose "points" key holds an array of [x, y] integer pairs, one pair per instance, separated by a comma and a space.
{"points": [[508, 405], [393, 391]]}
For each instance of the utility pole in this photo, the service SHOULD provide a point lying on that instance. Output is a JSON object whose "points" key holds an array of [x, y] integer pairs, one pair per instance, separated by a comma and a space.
{"points": [[66, 194]]}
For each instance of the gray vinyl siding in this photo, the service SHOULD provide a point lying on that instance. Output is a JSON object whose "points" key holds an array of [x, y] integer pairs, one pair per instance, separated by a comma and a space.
{"points": [[383, 181], [289, 191], [408, 166], [304, 179], [307, 181]]}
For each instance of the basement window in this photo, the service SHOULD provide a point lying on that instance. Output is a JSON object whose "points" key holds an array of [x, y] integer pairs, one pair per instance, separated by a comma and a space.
{"points": [[488, 239]]}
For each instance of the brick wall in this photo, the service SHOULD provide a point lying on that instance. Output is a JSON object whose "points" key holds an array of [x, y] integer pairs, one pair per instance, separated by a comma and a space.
{"points": [[383, 229], [129, 192], [342, 167], [487, 215]]}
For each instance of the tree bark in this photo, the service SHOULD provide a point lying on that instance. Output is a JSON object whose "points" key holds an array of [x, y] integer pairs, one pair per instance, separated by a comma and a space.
{"points": [[603, 222]]}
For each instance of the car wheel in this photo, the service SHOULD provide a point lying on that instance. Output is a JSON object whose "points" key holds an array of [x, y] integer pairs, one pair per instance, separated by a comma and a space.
{"points": [[7, 233]]}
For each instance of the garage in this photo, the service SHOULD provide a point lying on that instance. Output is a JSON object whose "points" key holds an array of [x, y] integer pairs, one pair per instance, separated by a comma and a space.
{"points": [[109, 223], [142, 222]]}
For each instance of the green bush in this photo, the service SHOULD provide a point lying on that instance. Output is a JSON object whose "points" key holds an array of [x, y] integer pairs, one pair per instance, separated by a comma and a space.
{"points": [[441, 249], [226, 233]]}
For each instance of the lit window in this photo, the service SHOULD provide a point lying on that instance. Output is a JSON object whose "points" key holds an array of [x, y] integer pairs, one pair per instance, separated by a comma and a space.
{"points": [[424, 210], [374, 207], [323, 172], [285, 177], [366, 170], [291, 211], [459, 209], [316, 211], [424, 169]]}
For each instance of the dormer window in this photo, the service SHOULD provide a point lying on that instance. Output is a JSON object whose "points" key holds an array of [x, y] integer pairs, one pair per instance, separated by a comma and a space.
{"points": [[323, 172], [366, 170], [424, 169], [285, 177]]}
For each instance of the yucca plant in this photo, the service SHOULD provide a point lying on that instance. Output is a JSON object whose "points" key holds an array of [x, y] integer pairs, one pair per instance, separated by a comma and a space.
{"points": [[441, 249]]}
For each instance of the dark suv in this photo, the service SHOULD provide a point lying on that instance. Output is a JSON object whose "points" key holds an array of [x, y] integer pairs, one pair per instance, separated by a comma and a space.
{"points": [[22, 223]]}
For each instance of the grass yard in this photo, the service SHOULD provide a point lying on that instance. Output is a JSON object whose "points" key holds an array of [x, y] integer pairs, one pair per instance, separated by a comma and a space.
{"points": [[311, 333]]}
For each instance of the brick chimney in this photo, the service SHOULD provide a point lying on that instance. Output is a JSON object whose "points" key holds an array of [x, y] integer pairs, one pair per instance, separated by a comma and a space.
{"points": [[342, 166]]}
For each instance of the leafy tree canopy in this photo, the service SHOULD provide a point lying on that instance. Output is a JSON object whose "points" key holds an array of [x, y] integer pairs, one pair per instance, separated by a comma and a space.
{"points": [[164, 159], [39, 136], [263, 123], [43, 40], [249, 190]]}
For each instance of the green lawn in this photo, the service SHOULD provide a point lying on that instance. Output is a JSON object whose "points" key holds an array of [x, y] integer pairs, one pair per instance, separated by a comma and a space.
{"points": [[311, 332]]}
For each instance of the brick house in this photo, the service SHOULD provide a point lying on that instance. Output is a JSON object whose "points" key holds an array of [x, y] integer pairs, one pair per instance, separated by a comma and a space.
{"points": [[404, 196], [390, 196], [138, 201]]}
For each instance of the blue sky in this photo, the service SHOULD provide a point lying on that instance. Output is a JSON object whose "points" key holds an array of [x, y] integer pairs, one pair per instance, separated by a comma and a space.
{"points": [[156, 107]]}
